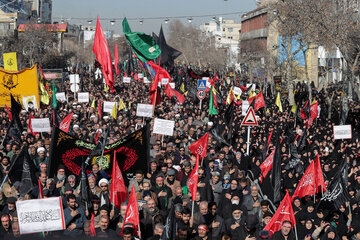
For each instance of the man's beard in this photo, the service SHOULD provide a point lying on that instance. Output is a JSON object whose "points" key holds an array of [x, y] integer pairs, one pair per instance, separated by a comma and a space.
{"points": [[61, 177]]}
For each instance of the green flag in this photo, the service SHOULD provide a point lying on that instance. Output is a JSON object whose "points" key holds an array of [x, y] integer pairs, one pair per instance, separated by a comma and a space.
{"points": [[212, 109], [144, 46], [54, 89]]}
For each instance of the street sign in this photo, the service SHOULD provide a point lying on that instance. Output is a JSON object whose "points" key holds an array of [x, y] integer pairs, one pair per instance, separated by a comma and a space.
{"points": [[250, 119], [201, 84], [201, 94]]}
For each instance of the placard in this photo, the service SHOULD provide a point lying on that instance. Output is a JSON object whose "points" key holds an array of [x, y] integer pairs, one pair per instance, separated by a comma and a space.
{"points": [[108, 106], [126, 79], [342, 132], [40, 124], [164, 81], [60, 96], [164, 127], [144, 110], [83, 97], [253, 86], [237, 91], [244, 107], [74, 78], [40, 215], [29, 102], [140, 75], [172, 85], [146, 80]]}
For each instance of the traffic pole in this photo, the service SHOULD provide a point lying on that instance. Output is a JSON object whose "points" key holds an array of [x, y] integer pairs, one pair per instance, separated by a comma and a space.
{"points": [[200, 104], [248, 141]]}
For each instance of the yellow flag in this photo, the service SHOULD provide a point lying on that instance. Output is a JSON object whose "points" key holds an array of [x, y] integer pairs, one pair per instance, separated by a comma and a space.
{"points": [[182, 87], [293, 108], [314, 101], [10, 61], [106, 88], [129, 105], [252, 94], [278, 102], [267, 111], [93, 104], [228, 99], [44, 95], [185, 93], [121, 105], [114, 112]]}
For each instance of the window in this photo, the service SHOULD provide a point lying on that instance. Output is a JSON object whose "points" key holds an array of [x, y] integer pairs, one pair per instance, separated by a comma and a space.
{"points": [[224, 29], [230, 29]]}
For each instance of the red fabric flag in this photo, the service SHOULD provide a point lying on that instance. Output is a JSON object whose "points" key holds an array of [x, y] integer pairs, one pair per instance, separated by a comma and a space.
{"points": [[92, 226], [267, 164], [101, 50], [259, 101], [40, 190], [116, 59], [169, 91], [284, 212], [160, 72], [313, 113], [243, 89], [30, 126], [199, 147], [303, 114], [65, 123], [99, 109], [9, 113], [180, 97], [306, 186], [132, 213], [155, 97], [193, 179], [118, 189], [97, 136], [319, 180]]}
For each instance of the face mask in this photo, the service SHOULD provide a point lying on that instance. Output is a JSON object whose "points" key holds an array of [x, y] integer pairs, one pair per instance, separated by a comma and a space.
{"points": [[236, 202]]}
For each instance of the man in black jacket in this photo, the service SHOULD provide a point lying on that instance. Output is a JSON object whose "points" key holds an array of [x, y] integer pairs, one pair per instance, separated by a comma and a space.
{"points": [[285, 233]]}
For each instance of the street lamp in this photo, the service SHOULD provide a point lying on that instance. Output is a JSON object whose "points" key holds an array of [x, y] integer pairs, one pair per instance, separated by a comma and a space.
{"points": [[39, 20], [141, 21], [166, 21], [112, 22], [190, 19], [89, 22]]}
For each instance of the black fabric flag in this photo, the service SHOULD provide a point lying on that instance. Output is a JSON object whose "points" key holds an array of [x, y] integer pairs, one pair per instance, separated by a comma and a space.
{"points": [[336, 193], [131, 153], [168, 54], [170, 226], [84, 194], [276, 171], [23, 170], [214, 131], [229, 119], [15, 129]]}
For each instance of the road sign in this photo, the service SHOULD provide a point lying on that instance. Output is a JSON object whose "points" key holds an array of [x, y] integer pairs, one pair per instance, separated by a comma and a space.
{"points": [[201, 94], [201, 84], [250, 119]]}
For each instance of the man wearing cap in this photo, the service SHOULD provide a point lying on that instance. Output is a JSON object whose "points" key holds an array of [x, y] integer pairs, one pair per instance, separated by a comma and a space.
{"points": [[60, 177], [41, 157], [170, 180], [235, 223], [162, 192], [105, 193]]}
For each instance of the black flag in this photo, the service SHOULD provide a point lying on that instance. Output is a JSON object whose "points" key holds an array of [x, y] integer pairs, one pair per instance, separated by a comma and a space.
{"points": [[168, 54], [15, 128], [336, 193], [84, 185], [229, 119], [23, 170], [276, 171], [169, 227]]}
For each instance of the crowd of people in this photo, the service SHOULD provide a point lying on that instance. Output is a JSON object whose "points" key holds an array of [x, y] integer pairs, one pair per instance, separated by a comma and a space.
{"points": [[230, 203]]}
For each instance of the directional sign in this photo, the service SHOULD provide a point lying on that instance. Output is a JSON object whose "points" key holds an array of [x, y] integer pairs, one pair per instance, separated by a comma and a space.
{"points": [[201, 94], [201, 84], [250, 119]]}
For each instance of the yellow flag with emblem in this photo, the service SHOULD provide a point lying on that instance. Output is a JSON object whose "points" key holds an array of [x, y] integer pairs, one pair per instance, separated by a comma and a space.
{"points": [[10, 61], [44, 95], [231, 93], [114, 112], [293, 108], [252, 94], [121, 105], [93, 104], [278, 102]]}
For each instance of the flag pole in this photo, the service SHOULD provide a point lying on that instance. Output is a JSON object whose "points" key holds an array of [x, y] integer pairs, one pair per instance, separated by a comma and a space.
{"points": [[192, 208], [156, 77], [296, 236]]}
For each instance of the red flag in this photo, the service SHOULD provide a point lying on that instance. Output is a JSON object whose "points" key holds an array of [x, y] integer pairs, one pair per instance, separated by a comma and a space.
{"points": [[99, 109], [199, 147], [313, 113], [267, 164], [319, 180], [92, 226], [169, 91], [303, 114], [97, 136], [40, 190], [65, 123], [132, 213], [155, 97], [284, 212], [193, 179], [9, 113], [259, 101], [116, 59], [306, 186], [101, 50], [160, 72], [118, 189], [30, 126], [179, 97]]}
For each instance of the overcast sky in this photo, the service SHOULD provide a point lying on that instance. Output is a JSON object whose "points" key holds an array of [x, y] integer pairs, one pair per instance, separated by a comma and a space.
{"points": [[109, 9]]}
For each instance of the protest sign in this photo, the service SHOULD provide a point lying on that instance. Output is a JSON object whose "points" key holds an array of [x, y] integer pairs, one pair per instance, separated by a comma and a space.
{"points": [[172, 85], [237, 91], [60, 96], [144, 110], [146, 80], [108, 106], [164, 81], [244, 107], [30, 102], [140, 75], [342, 132], [83, 97], [40, 124], [126, 79], [253, 86], [40, 215], [164, 127]]}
